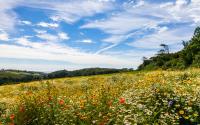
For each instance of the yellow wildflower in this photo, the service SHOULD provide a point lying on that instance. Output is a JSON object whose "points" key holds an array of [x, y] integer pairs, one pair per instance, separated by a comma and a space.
{"points": [[181, 112], [195, 114], [186, 117]]}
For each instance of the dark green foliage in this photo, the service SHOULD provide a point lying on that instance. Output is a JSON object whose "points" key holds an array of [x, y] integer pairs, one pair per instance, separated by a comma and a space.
{"points": [[188, 57], [16, 76], [10, 76], [84, 72]]}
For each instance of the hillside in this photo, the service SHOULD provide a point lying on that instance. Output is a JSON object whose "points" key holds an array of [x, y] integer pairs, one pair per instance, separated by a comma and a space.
{"points": [[16, 76], [85, 72], [188, 57], [158, 97], [12, 76]]}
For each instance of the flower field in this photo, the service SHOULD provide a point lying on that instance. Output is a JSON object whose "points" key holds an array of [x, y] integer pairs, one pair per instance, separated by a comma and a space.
{"points": [[156, 97]]}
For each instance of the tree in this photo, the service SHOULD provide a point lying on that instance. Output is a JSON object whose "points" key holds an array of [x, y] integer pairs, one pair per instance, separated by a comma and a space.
{"points": [[165, 48], [189, 56], [185, 43], [144, 58], [162, 51], [197, 31]]}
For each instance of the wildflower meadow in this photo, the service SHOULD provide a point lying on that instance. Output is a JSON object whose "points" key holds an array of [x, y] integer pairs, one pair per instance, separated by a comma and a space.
{"points": [[133, 98]]}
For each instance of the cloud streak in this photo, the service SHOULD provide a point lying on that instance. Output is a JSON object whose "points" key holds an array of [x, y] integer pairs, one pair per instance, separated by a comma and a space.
{"points": [[8, 16], [48, 25], [72, 10], [58, 53], [144, 16]]}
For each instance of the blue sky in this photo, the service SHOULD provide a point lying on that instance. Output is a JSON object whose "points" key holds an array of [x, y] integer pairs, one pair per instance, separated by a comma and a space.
{"points": [[49, 35]]}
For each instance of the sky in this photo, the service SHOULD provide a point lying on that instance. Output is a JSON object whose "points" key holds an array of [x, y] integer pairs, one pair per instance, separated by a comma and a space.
{"points": [[49, 35]]}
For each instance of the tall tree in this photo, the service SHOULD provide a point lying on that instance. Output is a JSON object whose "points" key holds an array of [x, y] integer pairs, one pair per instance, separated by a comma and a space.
{"points": [[185, 43], [165, 48]]}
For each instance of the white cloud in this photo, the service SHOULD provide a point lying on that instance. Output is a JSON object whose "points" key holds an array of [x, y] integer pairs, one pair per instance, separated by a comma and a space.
{"points": [[181, 2], [59, 53], [121, 24], [106, 48], [116, 40], [87, 41], [47, 46], [8, 16], [40, 31], [4, 36], [145, 15], [132, 54], [23, 41], [48, 37], [72, 10], [33, 65], [163, 35], [55, 18], [106, 0], [52, 37], [63, 36], [48, 25], [25, 22]]}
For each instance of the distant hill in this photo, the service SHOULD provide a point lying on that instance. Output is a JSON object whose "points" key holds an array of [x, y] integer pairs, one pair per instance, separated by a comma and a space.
{"points": [[16, 76], [84, 72], [189, 56]]}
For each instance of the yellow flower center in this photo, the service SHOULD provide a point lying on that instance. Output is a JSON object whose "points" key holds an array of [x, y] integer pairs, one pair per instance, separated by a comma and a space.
{"points": [[181, 112]]}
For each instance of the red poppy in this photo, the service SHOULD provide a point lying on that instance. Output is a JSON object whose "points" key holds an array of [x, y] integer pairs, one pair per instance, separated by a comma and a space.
{"points": [[122, 100], [61, 102], [12, 117]]}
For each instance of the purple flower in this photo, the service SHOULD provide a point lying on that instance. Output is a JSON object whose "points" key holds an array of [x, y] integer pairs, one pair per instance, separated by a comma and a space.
{"points": [[170, 103]]}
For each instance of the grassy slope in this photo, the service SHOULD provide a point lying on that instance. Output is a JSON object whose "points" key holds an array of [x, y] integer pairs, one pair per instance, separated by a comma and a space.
{"points": [[17, 76], [9, 93], [14, 76], [136, 88]]}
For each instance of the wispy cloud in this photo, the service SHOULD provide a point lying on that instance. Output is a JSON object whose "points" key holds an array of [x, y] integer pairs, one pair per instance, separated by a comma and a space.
{"points": [[25, 22], [63, 36], [144, 16], [106, 48], [167, 36], [38, 31], [8, 16], [53, 37], [60, 53], [48, 37], [23, 41], [48, 25], [72, 10], [86, 41], [4, 36]]}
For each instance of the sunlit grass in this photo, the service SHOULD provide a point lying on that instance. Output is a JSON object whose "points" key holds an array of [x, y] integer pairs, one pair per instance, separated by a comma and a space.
{"points": [[157, 97]]}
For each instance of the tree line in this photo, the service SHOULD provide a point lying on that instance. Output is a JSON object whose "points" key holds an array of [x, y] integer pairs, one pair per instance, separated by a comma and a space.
{"points": [[17, 76], [189, 56]]}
